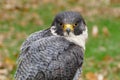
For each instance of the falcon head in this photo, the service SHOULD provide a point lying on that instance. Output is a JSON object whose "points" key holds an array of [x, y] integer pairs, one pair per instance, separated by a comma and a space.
{"points": [[68, 22], [70, 25]]}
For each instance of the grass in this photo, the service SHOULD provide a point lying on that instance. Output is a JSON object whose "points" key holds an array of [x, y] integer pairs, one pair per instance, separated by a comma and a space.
{"points": [[95, 56], [97, 49]]}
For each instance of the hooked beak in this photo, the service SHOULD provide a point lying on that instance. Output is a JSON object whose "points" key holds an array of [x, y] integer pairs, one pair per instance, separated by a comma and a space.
{"points": [[68, 28]]}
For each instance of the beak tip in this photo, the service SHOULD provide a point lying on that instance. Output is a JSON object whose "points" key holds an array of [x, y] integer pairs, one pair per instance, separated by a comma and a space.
{"points": [[68, 30]]}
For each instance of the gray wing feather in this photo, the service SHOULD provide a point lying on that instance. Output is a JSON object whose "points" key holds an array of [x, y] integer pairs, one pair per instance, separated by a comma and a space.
{"points": [[35, 36], [49, 58]]}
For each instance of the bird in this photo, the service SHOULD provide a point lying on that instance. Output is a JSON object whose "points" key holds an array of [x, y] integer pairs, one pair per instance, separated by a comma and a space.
{"points": [[55, 53]]}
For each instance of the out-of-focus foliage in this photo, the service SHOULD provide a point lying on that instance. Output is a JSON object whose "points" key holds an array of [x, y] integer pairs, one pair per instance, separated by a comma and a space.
{"points": [[19, 18]]}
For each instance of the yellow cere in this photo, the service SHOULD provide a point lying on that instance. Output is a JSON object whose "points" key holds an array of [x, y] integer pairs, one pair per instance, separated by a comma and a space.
{"points": [[66, 26]]}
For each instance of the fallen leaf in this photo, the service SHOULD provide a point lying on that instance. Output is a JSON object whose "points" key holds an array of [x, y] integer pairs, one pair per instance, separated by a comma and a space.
{"points": [[100, 77], [115, 1], [95, 76], [91, 76], [3, 71], [1, 65], [95, 31], [3, 77], [1, 40], [80, 79], [10, 64], [105, 31], [18, 35], [108, 58], [48, 1], [116, 69], [78, 9], [23, 23]]}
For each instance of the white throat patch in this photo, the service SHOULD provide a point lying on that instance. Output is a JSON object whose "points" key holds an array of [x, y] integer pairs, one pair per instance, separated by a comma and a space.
{"points": [[53, 29], [77, 39]]}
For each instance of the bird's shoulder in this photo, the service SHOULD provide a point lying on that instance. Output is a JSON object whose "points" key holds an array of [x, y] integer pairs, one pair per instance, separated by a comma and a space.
{"points": [[50, 42], [52, 45], [35, 36]]}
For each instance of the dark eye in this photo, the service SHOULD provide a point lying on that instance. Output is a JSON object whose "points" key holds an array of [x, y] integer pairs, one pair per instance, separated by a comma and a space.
{"points": [[75, 24], [60, 24]]}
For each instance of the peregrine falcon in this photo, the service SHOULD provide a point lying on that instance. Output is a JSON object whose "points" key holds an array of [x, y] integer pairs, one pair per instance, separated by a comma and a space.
{"points": [[55, 53]]}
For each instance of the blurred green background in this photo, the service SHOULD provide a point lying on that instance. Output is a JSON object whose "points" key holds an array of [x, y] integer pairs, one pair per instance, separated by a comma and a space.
{"points": [[20, 18]]}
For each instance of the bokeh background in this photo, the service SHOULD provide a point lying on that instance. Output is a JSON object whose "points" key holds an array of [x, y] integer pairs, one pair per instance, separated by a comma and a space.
{"points": [[20, 18]]}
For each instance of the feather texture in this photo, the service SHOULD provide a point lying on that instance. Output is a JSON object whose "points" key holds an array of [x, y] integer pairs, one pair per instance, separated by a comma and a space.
{"points": [[47, 57]]}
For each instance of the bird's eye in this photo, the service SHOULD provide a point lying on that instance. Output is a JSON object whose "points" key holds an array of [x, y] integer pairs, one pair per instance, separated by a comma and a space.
{"points": [[60, 24], [75, 24]]}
